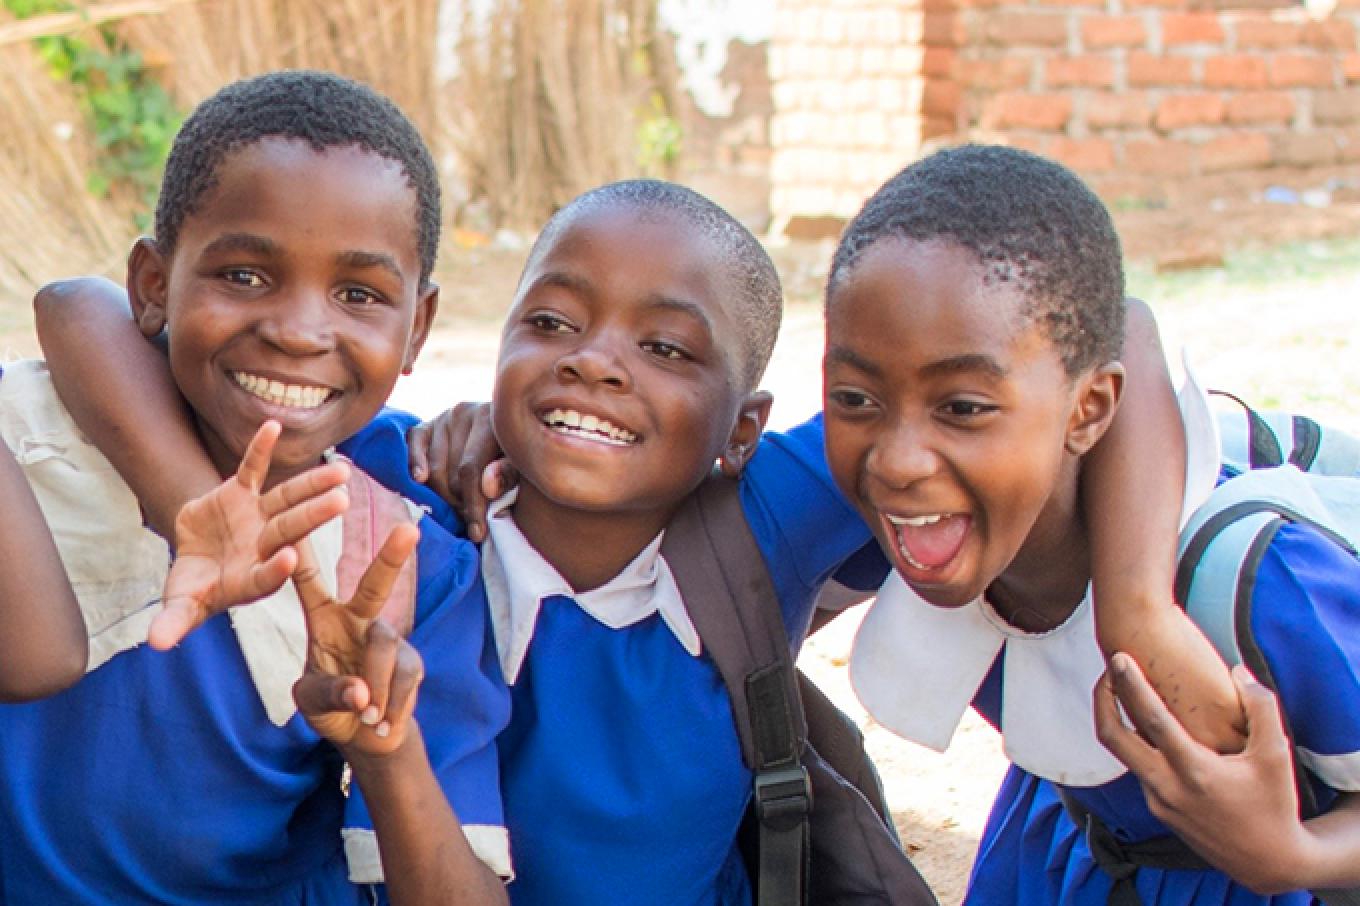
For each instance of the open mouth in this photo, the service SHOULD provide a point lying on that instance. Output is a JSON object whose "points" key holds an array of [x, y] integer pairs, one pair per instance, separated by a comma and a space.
{"points": [[929, 542], [277, 393], [588, 427]]}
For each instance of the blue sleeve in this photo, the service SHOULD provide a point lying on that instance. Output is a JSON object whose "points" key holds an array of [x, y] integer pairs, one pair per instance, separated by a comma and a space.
{"points": [[1305, 617], [380, 450], [463, 702], [803, 525]]}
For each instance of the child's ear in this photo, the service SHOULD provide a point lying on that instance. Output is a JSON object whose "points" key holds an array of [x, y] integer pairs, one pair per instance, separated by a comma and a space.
{"points": [[427, 305], [1093, 410], [147, 286], [741, 444]]}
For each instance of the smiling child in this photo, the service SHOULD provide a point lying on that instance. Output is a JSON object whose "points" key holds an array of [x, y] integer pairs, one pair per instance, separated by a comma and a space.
{"points": [[295, 235], [974, 320]]}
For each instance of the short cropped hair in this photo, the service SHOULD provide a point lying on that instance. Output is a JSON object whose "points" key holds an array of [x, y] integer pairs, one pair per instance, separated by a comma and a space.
{"points": [[758, 305], [1030, 222], [320, 108]]}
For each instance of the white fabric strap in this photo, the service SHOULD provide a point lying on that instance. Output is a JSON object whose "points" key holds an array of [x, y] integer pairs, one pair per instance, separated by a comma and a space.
{"points": [[489, 843]]}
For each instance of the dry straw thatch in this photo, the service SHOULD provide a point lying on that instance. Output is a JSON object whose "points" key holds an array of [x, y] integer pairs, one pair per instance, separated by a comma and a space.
{"points": [[545, 102], [546, 99]]}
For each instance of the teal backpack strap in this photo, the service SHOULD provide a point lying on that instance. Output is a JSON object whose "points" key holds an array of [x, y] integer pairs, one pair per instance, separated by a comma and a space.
{"points": [[1215, 582], [716, 562]]}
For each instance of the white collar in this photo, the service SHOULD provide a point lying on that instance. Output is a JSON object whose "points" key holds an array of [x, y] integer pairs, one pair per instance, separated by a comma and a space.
{"points": [[916, 667], [518, 579]]}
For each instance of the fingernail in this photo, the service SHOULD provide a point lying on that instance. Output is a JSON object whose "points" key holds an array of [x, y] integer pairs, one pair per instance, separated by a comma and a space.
{"points": [[382, 730], [371, 717], [419, 474], [1120, 661]]}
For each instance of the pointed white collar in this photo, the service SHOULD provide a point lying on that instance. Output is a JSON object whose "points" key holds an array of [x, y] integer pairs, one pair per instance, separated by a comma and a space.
{"points": [[518, 579], [916, 667]]}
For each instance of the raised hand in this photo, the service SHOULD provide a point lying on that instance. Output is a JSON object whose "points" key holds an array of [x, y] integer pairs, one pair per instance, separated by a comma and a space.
{"points": [[234, 544], [359, 686], [458, 457]]}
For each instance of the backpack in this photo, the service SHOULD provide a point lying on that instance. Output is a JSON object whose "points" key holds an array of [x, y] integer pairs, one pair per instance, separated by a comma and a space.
{"points": [[818, 827], [1318, 484]]}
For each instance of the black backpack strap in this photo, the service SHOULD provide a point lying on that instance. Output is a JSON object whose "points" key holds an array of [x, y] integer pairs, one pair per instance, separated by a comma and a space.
{"points": [[716, 563], [1121, 860], [1264, 447]]}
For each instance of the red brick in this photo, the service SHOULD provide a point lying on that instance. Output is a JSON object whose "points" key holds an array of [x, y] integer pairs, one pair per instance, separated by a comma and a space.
{"points": [[1340, 106], [1351, 67], [1177, 111], [1007, 73], [1304, 149], [1113, 31], [1260, 107], [1255, 31], [944, 29], [1235, 151], [941, 98], [1013, 28], [1159, 156], [1235, 71], [1151, 69], [1088, 154], [1089, 71], [1332, 34], [939, 62], [1191, 28], [1027, 111], [1298, 71], [1125, 110], [1034, 144]]}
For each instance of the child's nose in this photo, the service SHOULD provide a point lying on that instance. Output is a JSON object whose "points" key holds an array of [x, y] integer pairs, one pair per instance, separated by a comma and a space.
{"points": [[594, 363], [300, 326], [902, 455]]}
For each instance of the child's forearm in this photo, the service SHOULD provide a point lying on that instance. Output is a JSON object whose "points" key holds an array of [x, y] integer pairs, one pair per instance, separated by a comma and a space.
{"points": [[117, 386], [1133, 525], [42, 637], [425, 855]]}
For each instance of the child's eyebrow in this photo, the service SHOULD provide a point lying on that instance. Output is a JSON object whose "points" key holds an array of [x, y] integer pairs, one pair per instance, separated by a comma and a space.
{"points": [[683, 306], [972, 362], [242, 242], [839, 355], [359, 260]]}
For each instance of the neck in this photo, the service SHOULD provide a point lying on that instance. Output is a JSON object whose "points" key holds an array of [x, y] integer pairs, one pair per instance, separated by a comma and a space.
{"points": [[1049, 575], [587, 548]]}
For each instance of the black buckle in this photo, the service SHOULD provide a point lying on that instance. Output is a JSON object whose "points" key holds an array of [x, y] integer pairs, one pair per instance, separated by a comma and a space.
{"points": [[783, 797]]}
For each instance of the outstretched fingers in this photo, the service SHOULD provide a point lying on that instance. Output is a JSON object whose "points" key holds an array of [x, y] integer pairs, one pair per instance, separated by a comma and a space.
{"points": [[382, 574], [255, 462]]}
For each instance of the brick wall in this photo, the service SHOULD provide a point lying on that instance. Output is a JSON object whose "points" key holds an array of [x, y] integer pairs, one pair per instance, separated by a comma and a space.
{"points": [[848, 82], [1157, 100]]}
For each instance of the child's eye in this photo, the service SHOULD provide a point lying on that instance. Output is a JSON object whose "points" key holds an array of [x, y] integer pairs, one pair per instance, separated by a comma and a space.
{"points": [[965, 409], [663, 350], [548, 322], [360, 296], [243, 276], [850, 401]]}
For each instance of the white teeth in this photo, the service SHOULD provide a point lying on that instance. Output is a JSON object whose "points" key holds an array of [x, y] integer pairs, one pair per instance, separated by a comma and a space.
{"points": [[569, 421], [918, 521], [293, 396]]}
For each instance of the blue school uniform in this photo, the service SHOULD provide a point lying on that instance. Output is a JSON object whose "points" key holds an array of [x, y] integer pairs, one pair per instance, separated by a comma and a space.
{"points": [[621, 768], [160, 777], [1306, 619]]}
